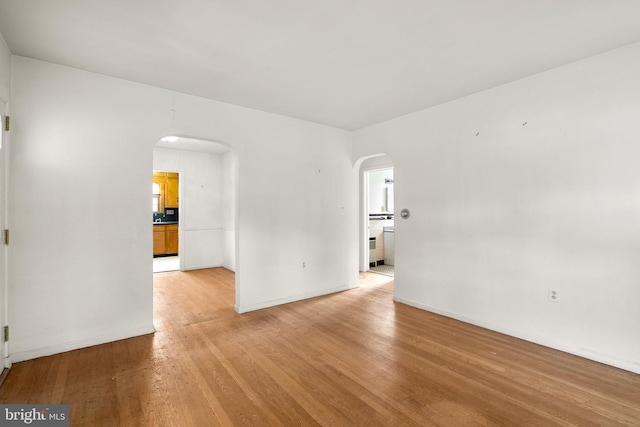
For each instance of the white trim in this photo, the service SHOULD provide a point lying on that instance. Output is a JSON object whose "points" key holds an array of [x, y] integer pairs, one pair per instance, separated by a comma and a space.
{"points": [[364, 222], [295, 298], [5, 347], [200, 267], [627, 365], [87, 342], [205, 229]]}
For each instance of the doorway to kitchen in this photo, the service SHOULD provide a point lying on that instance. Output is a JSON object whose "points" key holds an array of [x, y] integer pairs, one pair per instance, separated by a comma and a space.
{"points": [[166, 205], [205, 210]]}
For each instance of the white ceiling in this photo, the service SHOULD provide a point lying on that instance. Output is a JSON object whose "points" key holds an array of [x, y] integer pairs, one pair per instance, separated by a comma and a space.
{"points": [[345, 63]]}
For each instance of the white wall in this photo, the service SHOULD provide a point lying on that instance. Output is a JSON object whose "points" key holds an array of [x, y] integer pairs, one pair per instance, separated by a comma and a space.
{"points": [[201, 204], [229, 205], [5, 70], [526, 187], [81, 269]]}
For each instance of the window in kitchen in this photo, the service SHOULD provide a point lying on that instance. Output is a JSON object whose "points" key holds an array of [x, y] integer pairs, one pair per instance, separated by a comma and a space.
{"points": [[156, 197]]}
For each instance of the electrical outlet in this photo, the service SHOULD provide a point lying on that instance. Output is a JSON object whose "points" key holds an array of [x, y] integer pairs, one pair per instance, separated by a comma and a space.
{"points": [[553, 295], [304, 265]]}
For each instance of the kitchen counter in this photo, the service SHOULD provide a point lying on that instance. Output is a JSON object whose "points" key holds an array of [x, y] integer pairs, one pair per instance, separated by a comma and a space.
{"points": [[165, 223]]}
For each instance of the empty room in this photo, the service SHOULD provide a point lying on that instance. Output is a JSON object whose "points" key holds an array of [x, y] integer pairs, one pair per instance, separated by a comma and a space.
{"points": [[235, 142]]}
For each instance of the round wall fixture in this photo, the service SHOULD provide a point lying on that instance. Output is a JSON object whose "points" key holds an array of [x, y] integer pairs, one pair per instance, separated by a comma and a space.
{"points": [[405, 214]]}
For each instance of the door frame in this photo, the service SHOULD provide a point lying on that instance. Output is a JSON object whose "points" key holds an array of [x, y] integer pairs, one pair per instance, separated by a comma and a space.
{"points": [[5, 359], [363, 173]]}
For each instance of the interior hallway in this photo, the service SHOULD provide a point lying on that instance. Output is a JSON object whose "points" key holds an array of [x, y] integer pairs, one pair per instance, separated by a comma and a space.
{"points": [[352, 358]]}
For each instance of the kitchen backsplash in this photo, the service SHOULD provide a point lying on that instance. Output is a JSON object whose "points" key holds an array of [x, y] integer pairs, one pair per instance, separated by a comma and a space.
{"points": [[169, 215]]}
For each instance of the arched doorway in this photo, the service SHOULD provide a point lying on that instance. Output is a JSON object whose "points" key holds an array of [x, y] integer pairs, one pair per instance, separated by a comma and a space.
{"points": [[377, 217], [207, 211]]}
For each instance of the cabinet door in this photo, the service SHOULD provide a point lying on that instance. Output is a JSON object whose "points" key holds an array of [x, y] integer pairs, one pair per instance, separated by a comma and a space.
{"points": [[172, 239], [172, 190], [159, 239]]}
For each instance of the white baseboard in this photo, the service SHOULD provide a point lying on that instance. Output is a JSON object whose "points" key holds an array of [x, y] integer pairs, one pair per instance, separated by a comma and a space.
{"points": [[627, 365], [201, 267], [273, 303], [74, 345]]}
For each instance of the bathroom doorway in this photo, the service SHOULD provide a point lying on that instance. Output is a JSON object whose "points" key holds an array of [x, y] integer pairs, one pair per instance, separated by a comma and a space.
{"points": [[378, 207], [381, 222]]}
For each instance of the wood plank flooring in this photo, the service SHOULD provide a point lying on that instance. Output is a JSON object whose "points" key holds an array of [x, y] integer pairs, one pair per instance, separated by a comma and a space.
{"points": [[353, 358]]}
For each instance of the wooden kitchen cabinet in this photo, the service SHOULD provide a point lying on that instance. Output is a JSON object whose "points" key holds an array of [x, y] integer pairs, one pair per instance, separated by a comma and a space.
{"points": [[171, 238], [159, 240], [165, 239], [171, 199], [169, 189]]}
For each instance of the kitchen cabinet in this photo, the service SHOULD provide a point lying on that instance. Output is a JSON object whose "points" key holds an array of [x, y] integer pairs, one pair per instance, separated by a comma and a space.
{"points": [[159, 240], [168, 184], [171, 198], [165, 239], [171, 238]]}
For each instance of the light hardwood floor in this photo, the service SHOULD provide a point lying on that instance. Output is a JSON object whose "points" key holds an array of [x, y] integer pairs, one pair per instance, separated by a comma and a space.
{"points": [[353, 358]]}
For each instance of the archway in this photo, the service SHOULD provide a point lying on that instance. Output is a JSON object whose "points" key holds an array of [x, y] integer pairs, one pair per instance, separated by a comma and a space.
{"points": [[376, 219], [208, 187]]}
